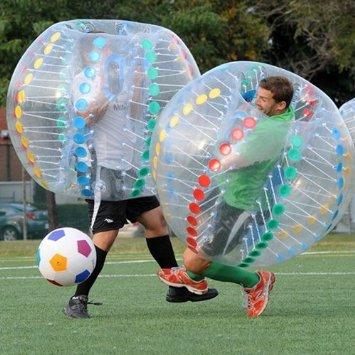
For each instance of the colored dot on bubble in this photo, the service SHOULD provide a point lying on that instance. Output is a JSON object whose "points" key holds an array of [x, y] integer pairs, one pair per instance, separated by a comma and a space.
{"points": [[152, 73], [143, 171], [81, 167], [19, 127], [154, 107], [48, 48], [249, 122], [37, 172], [262, 245], [162, 135], [84, 88], [187, 109], [311, 220], [151, 124], [297, 228], [81, 152], [94, 56], [255, 253], [139, 184], [272, 224], [38, 63], [340, 150], [147, 44], [147, 141], [81, 105], [294, 154], [278, 209], [204, 180], [83, 180], [225, 148], [79, 138], [285, 190], [28, 78], [31, 157], [296, 141], [199, 194], [99, 42], [18, 111], [267, 236], [324, 209], [79, 122], [21, 97], [192, 231], [191, 242], [151, 56], [237, 134], [60, 123], [214, 164], [201, 99], [290, 172], [55, 37], [157, 148], [154, 89], [192, 220], [214, 93], [86, 192], [174, 121], [89, 72], [194, 208], [155, 162], [24, 142], [145, 155], [249, 260], [62, 137]]}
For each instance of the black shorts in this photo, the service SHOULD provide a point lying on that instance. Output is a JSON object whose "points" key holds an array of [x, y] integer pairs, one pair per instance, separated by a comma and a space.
{"points": [[113, 215]]}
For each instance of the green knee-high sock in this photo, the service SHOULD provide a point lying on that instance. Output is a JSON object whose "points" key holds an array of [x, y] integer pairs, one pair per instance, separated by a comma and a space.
{"points": [[226, 273]]}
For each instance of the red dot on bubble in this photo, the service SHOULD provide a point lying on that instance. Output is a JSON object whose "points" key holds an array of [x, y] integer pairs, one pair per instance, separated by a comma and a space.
{"points": [[225, 148], [192, 231], [191, 242], [249, 122], [192, 220], [204, 180], [237, 134], [307, 113], [199, 194], [194, 208], [214, 164]]}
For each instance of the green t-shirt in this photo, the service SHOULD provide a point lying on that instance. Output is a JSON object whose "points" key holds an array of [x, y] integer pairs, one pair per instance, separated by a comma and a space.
{"points": [[259, 152]]}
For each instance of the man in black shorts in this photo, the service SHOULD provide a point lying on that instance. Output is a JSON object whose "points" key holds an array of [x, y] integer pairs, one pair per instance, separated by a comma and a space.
{"points": [[112, 216]]}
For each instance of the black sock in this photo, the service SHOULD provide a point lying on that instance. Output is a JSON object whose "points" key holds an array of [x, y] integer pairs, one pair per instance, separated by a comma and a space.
{"points": [[162, 251], [84, 287]]}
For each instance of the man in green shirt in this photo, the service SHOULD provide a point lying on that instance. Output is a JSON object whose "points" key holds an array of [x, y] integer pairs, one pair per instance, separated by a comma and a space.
{"points": [[246, 172]]}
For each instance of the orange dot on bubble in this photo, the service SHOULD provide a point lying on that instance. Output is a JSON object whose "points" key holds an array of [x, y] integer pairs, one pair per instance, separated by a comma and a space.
{"points": [[31, 157], [199, 194], [297, 229], [204, 180], [24, 141], [19, 127], [225, 148], [311, 220], [214, 164], [21, 97], [18, 112], [237, 134], [37, 172]]}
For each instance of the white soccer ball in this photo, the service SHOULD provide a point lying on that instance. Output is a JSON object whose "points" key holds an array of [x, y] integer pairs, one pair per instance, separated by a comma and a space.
{"points": [[66, 256]]}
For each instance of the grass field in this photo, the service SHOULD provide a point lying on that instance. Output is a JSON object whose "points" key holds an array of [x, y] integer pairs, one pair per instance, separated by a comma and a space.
{"points": [[312, 308]]}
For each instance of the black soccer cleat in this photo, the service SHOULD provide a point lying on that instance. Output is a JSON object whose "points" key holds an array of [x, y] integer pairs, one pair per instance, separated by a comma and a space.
{"points": [[182, 294], [77, 307]]}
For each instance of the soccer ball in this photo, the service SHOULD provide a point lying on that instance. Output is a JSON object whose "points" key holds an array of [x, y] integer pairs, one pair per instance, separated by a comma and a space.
{"points": [[66, 256]]}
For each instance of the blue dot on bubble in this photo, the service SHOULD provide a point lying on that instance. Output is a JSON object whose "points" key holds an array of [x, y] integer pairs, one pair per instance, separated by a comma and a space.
{"points": [[81, 105], [94, 56], [81, 152], [280, 258], [89, 72], [335, 215], [340, 149], [335, 133], [79, 122], [339, 167], [292, 252], [83, 180], [340, 199], [304, 246], [99, 42], [86, 192], [84, 88], [170, 175], [79, 138], [81, 167], [340, 183]]}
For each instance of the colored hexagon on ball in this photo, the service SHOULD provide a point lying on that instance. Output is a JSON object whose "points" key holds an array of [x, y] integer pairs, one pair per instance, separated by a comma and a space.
{"points": [[59, 262], [84, 248]]}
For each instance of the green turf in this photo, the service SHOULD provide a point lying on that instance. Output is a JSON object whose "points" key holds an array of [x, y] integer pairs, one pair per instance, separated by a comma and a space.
{"points": [[311, 311]]}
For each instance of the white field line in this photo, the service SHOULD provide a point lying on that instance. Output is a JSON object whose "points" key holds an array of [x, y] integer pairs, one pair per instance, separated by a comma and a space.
{"points": [[111, 276]]}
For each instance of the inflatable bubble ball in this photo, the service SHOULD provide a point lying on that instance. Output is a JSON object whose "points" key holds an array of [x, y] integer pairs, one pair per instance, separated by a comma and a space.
{"points": [[252, 164], [83, 102]]}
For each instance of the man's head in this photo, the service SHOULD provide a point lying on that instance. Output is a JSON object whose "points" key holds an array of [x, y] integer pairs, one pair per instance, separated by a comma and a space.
{"points": [[274, 95]]}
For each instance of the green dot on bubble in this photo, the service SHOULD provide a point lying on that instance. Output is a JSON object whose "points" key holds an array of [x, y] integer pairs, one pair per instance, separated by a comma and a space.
{"points": [[290, 172], [145, 155], [255, 253], [154, 107], [296, 141], [61, 137], [60, 122], [294, 154], [61, 104], [272, 224], [249, 260], [278, 209], [151, 56], [143, 171], [152, 73], [285, 190], [151, 124], [139, 184], [267, 236], [148, 140], [262, 245], [135, 193], [243, 265], [154, 89], [147, 44]]}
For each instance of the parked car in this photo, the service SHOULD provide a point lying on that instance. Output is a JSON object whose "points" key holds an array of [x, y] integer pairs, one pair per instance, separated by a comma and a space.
{"points": [[11, 222]]}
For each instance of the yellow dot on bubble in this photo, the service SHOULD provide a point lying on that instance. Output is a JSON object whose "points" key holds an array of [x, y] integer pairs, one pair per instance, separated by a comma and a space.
{"points": [[28, 78], [201, 99], [55, 37], [18, 111], [19, 127], [38, 63], [324, 209], [347, 170], [214, 93], [281, 235], [154, 175], [155, 162], [48, 48], [157, 148], [43, 183], [37, 172], [24, 142], [162, 135], [311, 220], [297, 228], [21, 96], [31, 157], [187, 109], [347, 156], [174, 121]]}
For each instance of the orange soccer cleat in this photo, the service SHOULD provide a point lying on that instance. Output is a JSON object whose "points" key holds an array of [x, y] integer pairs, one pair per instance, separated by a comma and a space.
{"points": [[178, 277], [256, 298]]}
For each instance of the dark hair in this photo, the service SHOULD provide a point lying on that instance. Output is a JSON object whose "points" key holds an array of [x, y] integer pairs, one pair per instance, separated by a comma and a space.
{"points": [[280, 86]]}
